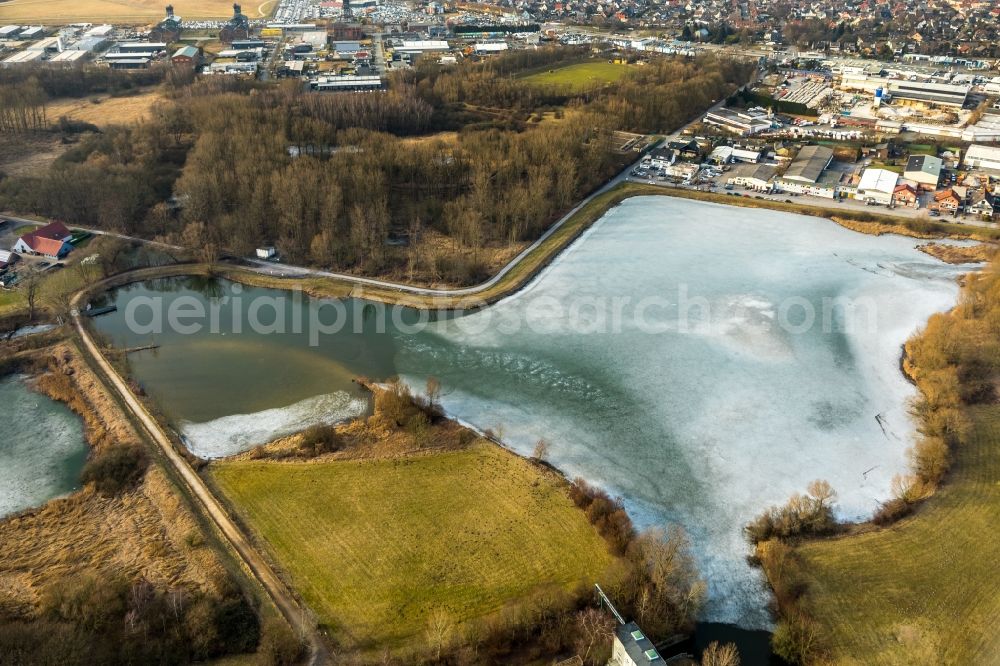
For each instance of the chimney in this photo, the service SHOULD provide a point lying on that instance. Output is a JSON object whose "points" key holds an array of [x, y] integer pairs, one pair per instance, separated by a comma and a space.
{"points": [[170, 11], [236, 9]]}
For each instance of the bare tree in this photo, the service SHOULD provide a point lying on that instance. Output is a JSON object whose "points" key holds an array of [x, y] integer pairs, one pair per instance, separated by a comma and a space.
{"points": [[720, 655], [541, 451], [594, 633], [433, 391], [440, 629], [822, 492], [31, 285]]}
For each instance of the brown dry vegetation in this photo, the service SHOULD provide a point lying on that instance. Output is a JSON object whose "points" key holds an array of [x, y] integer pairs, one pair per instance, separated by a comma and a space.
{"points": [[29, 154], [146, 531], [880, 228], [74, 559], [954, 254], [105, 110], [117, 11]]}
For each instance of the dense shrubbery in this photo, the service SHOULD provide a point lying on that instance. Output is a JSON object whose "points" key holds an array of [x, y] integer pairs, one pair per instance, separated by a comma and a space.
{"points": [[319, 439], [115, 469], [91, 619], [81, 81], [811, 513], [606, 514]]}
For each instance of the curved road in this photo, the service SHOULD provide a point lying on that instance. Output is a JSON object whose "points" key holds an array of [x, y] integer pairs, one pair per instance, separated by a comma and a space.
{"points": [[251, 558]]}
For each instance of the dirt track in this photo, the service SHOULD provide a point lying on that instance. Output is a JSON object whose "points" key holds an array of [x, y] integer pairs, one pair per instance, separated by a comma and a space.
{"points": [[251, 558]]}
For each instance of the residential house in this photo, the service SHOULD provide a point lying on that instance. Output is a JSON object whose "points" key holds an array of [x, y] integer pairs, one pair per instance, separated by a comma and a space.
{"points": [[689, 150], [946, 201], [51, 241], [905, 195], [983, 204], [661, 158]]}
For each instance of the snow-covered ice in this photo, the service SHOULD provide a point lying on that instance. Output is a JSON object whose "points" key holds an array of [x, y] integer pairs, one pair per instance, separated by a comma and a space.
{"points": [[704, 419]]}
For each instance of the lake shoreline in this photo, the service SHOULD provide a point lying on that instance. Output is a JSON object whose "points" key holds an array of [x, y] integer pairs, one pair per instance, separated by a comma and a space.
{"points": [[530, 266]]}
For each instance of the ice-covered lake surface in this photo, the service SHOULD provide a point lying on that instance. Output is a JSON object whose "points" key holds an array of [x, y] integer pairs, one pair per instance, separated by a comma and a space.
{"points": [[42, 449], [702, 361]]}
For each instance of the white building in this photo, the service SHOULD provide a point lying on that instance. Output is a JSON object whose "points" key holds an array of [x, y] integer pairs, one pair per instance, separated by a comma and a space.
{"points": [[758, 179], [742, 123], [983, 157], [877, 186], [746, 155], [490, 47]]}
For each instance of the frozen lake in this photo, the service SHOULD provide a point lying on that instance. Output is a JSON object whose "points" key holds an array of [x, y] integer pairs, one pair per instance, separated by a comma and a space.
{"points": [[42, 449], [702, 361]]}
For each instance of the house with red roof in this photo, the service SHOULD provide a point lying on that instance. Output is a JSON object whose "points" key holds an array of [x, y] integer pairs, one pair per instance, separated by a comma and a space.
{"points": [[48, 241], [905, 195]]}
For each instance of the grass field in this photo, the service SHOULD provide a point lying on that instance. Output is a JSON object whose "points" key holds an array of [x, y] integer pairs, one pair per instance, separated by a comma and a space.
{"points": [[119, 11], [926, 590], [376, 546], [104, 110], [579, 77]]}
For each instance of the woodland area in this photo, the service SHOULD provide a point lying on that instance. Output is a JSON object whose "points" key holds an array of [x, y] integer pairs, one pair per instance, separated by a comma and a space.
{"points": [[425, 180]]}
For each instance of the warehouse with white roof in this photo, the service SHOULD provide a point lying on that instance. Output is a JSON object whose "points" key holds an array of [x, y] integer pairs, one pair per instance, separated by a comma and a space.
{"points": [[877, 186]]}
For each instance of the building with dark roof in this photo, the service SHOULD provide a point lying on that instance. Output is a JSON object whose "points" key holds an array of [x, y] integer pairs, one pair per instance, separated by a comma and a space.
{"points": [[168, 30], [238, 27], [809, 164], [632, 648], [925, 170]]}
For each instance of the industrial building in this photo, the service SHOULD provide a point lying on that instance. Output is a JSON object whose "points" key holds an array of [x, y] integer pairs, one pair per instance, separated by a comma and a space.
{"points": [[186, 56], [238, 27], [924, 170], [169, 29], [983, 157], [809, 164], [742, 123], [877, 186], [906, 92], [347, 83]]}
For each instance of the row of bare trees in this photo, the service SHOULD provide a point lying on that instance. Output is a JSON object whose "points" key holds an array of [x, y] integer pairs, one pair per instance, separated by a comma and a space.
{"points": [[22, 107]]}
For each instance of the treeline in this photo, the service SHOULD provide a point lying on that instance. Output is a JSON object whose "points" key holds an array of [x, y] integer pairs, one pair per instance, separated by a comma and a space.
{"points": [[22, 107], [110, 180], [661, 588], [666, 93], [333, 180], [81, 80]]}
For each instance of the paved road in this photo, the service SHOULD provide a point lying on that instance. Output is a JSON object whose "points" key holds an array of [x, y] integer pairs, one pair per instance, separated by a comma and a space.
{"points": [[254, 561]]}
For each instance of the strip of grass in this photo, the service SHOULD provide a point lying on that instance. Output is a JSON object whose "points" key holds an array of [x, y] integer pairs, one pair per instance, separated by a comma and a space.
{"points": [[376, 546], [926, 590], [579, 77]]}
